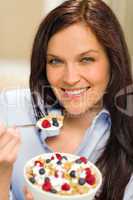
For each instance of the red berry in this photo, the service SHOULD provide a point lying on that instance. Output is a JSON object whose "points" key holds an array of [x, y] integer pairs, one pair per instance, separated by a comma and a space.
{"points": [[65, 187], [88, 171], [52, 158], [59, 157], [47, 186], [91, 179], [46, 123], [83, 159], [39, 163]]}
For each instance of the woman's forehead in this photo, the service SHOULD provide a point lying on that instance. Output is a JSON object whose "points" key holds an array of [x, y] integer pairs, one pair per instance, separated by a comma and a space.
{"points": [[77, 37]]}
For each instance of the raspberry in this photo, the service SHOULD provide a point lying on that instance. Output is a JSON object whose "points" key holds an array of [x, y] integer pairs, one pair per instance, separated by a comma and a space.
{"points": [[59, 157], [47, 186], [91, 179], [88, 171], [46, 123], [52, 158], [83, 159], [65, 187]]}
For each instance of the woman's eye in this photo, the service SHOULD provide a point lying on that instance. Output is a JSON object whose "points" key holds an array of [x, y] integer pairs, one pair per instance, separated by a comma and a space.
{"points": [[54, 61], [87, 60]]}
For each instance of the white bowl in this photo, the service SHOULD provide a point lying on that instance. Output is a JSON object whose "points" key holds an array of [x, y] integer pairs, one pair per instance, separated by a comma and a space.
{"points": [[39, 194]]}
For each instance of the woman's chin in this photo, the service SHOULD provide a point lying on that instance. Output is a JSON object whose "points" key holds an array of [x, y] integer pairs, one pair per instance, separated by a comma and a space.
{"points": [[74, 111]]}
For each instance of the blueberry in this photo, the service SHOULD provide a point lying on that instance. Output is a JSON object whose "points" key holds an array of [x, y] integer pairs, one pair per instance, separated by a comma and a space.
{"points": [[59, 162], [82, 181], [32, 180], [53, 190], [42, 171], [64, 157], [48, 160], [73, 174], [78, 161], [55, 122], [54, 119]]}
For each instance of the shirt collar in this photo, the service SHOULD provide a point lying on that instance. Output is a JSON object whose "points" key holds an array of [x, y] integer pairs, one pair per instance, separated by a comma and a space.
{"points": [[95, 135], [104, 116]]}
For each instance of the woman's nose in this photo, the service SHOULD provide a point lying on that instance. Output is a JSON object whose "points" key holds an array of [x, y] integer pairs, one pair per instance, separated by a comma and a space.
{"points": [[71, 75]]}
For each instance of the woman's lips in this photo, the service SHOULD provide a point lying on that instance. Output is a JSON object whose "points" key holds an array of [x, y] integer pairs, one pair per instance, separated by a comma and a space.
{"points": [[74, 93]]}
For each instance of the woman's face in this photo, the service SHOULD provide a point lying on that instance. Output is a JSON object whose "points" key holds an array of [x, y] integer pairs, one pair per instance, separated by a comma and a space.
{"points": [[77, 68]]}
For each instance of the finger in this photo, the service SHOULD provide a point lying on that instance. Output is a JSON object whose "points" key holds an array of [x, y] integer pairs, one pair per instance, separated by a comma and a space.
{"points": [[10, 134], [11, 158], [8, 155], [15, 152], [27, 194], [9, 152], [2, 129], [25, 189], [4, 140], [10, 144], [7, 136], [13, 131]]}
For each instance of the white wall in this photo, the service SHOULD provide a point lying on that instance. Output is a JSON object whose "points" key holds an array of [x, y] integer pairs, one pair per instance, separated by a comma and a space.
{"points": [[50, 4], [18, 21]]}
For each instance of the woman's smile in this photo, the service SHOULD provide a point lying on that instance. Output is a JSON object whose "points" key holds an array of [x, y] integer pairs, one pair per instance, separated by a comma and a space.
{"points": [[74, 93]]}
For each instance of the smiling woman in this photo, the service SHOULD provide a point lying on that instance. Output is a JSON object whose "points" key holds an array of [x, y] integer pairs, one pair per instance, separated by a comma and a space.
{"points": [[79, 64]]}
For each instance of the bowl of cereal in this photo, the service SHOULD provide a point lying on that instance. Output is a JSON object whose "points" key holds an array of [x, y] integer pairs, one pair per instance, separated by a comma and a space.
{"points": [[62, 176]]}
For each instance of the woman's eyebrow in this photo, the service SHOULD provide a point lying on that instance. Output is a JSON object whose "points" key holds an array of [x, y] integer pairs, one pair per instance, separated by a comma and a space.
{"points": [[52, 55], [89, 51], [81, 54]]}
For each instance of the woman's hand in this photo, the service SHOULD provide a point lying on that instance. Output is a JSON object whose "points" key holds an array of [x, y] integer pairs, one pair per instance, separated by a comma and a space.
{"points": [[9, 146], [27, 194]]}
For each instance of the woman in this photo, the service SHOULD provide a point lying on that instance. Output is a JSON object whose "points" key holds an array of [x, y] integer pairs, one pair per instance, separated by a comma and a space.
{"points": [[79, 64]]}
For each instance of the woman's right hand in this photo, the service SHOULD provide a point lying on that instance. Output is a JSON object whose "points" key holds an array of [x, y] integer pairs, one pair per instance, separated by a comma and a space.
{"points": [[9, 146]]}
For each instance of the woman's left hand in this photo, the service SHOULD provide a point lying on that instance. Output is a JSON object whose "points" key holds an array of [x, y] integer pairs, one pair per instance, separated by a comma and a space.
{"points": [[27, 194]]}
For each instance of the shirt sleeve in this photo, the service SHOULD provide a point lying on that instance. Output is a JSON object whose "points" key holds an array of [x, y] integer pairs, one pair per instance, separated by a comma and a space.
{"points": [[128, 195], [10, 195]]}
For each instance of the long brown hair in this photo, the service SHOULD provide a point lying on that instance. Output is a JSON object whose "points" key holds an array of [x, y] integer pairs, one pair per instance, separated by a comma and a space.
{"points": [[116, 161]]}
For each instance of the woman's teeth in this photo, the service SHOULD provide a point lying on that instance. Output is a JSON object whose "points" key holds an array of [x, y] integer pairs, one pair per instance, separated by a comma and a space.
{"points": [[75, 92]]}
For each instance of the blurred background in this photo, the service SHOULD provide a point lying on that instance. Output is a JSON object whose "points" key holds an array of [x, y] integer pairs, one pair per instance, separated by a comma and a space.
{"points": [[19, 20]]}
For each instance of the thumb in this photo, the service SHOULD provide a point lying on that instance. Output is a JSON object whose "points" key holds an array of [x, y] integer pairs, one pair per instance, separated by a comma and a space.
{"points": [[27, 194]]}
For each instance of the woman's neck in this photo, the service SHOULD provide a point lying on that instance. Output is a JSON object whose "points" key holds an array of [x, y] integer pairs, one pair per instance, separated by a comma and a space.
{"points": [[81, 121]]}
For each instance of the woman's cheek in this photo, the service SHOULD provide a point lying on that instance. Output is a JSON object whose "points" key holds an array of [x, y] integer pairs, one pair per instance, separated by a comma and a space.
{"points": [[55, 76], [98, 75]]}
